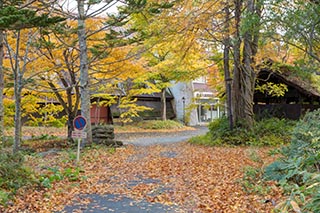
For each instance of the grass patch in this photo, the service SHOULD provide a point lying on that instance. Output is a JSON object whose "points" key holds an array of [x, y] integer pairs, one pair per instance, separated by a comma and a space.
{"points": [[150, 125], [159, 124], [205, 140], [268, 132]]}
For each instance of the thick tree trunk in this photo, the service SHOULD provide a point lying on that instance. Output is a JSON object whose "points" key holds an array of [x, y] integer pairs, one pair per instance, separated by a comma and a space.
{"points": [[1, 87], [250, 43], [244, 75], [84, 76], [163, 105]]}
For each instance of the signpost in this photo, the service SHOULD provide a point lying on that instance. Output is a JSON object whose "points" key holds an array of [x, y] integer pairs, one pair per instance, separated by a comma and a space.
{"points": [[79, 123]]}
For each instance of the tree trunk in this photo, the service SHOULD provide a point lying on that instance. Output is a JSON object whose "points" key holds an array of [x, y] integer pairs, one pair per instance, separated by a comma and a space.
{"points": [[226, 60], [236, 84], [244, 75], [163, 105], [84, 76], [1, 86], [17, 114], [247, 76], [70, 125], [17, 96]]}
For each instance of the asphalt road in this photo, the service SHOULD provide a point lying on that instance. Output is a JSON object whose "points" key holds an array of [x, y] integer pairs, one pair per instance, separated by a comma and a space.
{"points": [[152, 138], [121, 203]]}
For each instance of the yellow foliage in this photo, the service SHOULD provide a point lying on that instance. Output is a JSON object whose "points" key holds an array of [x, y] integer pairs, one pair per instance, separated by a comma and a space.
{"points": [[131, 109]]}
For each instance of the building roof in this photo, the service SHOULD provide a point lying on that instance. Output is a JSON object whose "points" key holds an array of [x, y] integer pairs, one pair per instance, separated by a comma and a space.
{"points": [[290, 76]]}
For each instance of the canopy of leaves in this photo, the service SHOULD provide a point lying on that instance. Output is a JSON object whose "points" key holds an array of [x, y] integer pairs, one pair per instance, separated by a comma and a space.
{"points": [[13, 18]]}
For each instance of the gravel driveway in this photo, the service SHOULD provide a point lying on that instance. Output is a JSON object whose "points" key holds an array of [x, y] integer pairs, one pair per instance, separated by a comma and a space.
{"points": [[152, 138]]}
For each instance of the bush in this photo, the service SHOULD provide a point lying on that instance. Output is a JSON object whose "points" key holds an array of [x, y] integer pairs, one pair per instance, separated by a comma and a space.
{"points": [[272, 132], [205, 140], [159, 124], [298, 169], [13, 175]]}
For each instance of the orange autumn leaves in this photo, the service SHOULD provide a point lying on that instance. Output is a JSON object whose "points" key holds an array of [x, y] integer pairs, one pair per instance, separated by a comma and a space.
{"points": [[194, 178]]}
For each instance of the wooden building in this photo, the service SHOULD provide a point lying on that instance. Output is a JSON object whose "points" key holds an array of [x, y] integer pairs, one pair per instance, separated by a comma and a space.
{"points": [[152, 101], [300, 97]]}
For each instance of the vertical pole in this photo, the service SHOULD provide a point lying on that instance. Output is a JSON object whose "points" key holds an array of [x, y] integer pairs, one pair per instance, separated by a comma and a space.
{"points": [[78, 150], [218, 108]]}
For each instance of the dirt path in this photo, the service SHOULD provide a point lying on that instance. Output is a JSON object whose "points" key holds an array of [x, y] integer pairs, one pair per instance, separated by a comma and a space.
{"points": [[176, 178], [171, 177]]}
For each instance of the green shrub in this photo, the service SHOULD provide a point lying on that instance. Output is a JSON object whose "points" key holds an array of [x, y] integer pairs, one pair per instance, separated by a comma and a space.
{"points": [[159, 124], [13, 175], [54, 174], [252, 181], [202, 140], [298, 169], [266, 132]]}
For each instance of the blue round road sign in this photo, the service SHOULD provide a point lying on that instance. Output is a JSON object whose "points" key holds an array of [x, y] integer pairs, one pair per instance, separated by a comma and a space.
{"points": [[79, 122]]}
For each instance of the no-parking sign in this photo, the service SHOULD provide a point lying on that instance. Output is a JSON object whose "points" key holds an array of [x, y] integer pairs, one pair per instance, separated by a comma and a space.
{"points": [[79, 123]]}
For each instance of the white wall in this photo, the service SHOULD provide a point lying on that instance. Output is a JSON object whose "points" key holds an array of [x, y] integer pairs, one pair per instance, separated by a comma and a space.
{"points": [[185, 90]]}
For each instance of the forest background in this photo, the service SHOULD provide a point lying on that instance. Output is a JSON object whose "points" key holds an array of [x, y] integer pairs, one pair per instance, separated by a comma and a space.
{"points": [[57, 50]]}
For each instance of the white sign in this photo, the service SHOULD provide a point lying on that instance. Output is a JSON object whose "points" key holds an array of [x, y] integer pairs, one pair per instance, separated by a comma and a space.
{"points": [[79, 134]]}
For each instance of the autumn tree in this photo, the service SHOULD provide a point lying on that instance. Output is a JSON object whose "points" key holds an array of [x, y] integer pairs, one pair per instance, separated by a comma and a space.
{"points": [[2, 34], [19, 18], [172, 49], [84, 11]]}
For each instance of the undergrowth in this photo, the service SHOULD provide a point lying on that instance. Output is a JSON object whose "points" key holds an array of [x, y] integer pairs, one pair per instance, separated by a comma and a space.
{"points": [[268, 132], [298, 170], [13, 175]]}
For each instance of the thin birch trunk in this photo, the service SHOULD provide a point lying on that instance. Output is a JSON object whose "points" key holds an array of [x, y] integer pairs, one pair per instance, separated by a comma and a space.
{"points": [[17, 96], [84, 76]]}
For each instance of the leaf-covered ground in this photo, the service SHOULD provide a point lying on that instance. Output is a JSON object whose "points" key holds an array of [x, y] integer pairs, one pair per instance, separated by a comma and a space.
{"points": [[194, 178]]}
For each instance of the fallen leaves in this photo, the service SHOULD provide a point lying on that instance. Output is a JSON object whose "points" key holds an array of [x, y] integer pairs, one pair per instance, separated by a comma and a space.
{"points": [[195, 178]]}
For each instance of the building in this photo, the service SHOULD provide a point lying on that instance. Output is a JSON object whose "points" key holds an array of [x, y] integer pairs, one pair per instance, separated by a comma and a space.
{"points": [[301, 95], [195, 102]]}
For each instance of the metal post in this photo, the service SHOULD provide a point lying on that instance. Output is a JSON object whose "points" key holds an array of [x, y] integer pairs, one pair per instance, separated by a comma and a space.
{"points": [[218, 108], [183, 105], [78, 150]]}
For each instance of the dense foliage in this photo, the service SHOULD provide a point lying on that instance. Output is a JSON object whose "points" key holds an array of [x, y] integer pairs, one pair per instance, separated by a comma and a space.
{"points": [[266, 132], [298, 169]]}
